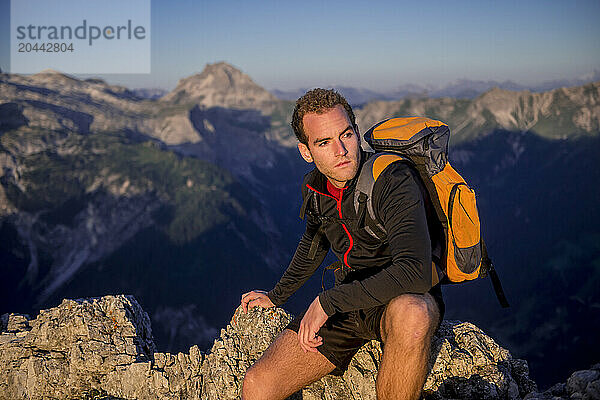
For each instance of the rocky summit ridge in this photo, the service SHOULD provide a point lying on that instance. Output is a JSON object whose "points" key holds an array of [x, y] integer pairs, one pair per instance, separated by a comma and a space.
{"points": [[103, 348]]}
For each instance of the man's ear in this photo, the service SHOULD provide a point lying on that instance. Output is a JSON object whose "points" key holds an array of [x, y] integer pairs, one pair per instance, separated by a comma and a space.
{"points": [[305, 152]]}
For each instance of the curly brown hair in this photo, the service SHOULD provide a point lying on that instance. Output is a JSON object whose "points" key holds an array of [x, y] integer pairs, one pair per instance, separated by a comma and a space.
{"points": [[318, 101]]}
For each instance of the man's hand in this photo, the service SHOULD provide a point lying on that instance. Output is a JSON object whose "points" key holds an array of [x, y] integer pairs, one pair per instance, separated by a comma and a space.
{"points": [[313, 320], [256, 298]]}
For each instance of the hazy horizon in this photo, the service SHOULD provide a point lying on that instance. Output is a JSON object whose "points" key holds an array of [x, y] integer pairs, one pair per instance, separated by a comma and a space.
{"points": [[122, 80], [364, 45]]}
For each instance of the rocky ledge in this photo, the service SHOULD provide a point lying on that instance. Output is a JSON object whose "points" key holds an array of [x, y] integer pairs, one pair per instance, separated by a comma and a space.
{"points": [[102, 348]]}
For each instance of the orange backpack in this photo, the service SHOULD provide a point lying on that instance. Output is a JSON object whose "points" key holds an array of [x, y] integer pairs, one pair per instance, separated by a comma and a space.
{"points": [[423, 143]]}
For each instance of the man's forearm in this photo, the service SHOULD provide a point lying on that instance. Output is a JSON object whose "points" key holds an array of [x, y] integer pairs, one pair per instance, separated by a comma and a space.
{"points": [[377, 289], [298, 272]]}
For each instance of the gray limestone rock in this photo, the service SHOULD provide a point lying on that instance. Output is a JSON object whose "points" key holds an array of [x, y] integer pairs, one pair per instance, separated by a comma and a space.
{"points": [[466, 364], [103, 348], [592, 390], [67, 350], [13, 323], [584, 384], [579, 380], [239, 346], [168, 376]]}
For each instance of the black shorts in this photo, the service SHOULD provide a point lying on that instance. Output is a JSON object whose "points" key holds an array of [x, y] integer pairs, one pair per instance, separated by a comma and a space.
{"points": [[345, 333]]}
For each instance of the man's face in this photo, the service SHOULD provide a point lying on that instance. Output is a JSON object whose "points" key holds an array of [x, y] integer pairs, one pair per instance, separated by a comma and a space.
{"points": [[333, 145]]}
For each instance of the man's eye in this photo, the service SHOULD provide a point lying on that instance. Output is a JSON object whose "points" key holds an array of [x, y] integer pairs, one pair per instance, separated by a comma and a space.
{"points": [[348, 134], [321, 144]]}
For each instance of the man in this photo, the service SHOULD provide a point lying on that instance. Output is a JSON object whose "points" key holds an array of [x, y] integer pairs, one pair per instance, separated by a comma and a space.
{"points": [[383, 289]]}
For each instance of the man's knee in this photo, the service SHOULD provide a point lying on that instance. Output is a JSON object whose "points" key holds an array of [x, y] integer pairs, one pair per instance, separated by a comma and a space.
{"points": [[251, 381], [255, 382], [410, 314]]}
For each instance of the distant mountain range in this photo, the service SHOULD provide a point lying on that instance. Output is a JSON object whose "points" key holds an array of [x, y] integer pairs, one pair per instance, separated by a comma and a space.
{"points": [[150, 93], [106, 190], [556, 114], [461, 89]]}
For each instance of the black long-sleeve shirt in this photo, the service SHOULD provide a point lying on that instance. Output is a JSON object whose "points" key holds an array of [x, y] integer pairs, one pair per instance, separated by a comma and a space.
{"points": [[374, 271]]}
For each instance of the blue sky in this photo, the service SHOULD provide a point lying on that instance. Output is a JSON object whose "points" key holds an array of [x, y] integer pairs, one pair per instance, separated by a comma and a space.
{"points": [[377, 45]]}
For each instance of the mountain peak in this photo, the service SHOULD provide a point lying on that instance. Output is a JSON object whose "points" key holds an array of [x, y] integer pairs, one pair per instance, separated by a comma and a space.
{"points": [[52, 75], [221, 85], [222, 67], [223, 75], [497, 94], [52, 72], [49, 71]]}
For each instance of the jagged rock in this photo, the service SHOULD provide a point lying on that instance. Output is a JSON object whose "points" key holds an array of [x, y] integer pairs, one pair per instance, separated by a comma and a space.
{"points": [[239, 346], [592, 391], [584, 384], [168, 377], [104, 347], [67, 350], [13, 323], [466, 364], [92, 347], [580, 379]]}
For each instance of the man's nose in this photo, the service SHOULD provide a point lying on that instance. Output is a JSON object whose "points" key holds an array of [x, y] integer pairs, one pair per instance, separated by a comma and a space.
{"points": [[340, 149]]}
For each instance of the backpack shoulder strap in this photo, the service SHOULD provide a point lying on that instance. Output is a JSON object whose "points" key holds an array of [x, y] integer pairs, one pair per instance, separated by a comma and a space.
{"points": [[363, 194], [487, 268], [314, 211]]}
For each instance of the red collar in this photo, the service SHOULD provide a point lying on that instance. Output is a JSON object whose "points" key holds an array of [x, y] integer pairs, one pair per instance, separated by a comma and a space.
{"points": [[335, 192]]}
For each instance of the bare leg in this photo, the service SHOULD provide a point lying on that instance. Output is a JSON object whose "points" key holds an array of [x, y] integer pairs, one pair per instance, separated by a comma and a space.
{"points": [[283, 369], [407, 327]]}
